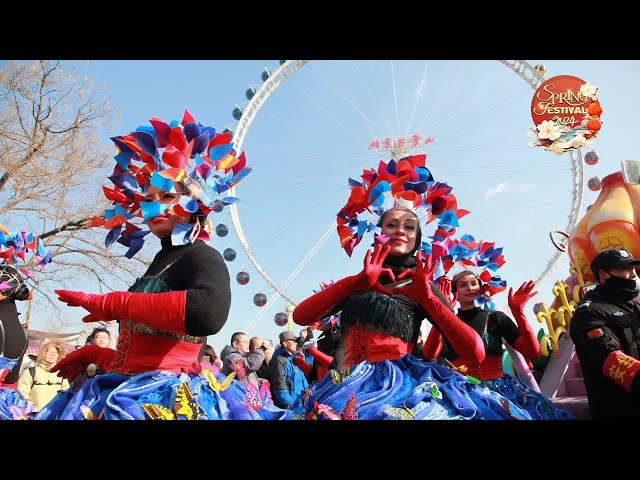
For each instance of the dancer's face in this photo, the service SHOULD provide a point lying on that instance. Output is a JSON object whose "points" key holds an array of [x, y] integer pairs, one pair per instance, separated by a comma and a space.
{"points": [[468, 288], [402, 227], [163, 225]]}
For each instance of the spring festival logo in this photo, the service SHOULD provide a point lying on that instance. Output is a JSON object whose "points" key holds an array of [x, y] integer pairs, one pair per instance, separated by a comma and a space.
{"points": [[566, 114]]}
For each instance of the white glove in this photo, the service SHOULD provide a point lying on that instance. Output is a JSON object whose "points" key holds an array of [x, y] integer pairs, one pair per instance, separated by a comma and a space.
{"points": [[309, 344]]}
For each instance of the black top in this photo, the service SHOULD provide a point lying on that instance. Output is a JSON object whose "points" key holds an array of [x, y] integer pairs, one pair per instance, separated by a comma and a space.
{"points": [[491, 326], [200, 270], [599, 326], [332, 344], [396, 315]]}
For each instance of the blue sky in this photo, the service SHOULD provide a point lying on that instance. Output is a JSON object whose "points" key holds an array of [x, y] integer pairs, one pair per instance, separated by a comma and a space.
{"points": [[315, 130]]}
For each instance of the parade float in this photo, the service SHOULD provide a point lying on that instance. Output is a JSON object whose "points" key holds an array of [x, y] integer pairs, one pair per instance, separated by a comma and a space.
{"points": [[567, 113]]}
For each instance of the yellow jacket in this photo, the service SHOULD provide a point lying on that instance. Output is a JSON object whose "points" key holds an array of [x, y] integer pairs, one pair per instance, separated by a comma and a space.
{"points": [[41, 389]]}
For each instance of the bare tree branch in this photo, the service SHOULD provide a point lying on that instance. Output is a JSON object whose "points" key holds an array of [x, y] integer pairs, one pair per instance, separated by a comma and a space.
{"points": [[53, 162]]}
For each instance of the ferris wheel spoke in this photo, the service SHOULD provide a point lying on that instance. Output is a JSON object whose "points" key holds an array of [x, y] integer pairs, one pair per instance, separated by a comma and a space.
{"points": [[352, 114]]}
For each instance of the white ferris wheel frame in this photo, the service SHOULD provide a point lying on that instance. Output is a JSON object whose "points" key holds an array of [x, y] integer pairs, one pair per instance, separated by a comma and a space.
{"points": [[284, 71]]}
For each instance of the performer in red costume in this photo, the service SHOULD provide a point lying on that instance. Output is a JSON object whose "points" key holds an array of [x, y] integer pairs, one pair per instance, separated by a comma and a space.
{"points": [[494, 326], [13, 339], [383, 306], [183, 297], [14, 247], [165, 317]]}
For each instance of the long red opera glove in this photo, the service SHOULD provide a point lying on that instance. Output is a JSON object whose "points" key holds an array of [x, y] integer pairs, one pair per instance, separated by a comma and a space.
{"points": [[464, 339], [158, 310], [302, 364], [318, 305], [527, 344], [433, 345], [323, 361], [76, 362]]}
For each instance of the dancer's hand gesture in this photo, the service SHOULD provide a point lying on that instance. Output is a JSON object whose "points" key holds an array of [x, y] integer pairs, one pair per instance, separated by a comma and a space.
{"points": [[368, 279]]}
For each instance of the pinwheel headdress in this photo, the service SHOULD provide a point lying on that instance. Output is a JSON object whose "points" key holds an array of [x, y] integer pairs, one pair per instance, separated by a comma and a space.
{"points": [[481, 258], [187, 152], [406, 183], [409, 184], [14, 266]]}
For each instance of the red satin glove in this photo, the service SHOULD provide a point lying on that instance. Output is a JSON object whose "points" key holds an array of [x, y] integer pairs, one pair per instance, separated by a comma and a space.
{"points": [[368, 279], [420, 287], [158, 310], [527, 344], [77, 361], [301, 363], [322, 361], [318, 305], [444, 284], [464, 339], [433, 345], [518, 300]]}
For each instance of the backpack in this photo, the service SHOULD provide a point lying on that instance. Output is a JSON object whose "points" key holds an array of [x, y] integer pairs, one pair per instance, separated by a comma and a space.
{"points": [[32, 371]]}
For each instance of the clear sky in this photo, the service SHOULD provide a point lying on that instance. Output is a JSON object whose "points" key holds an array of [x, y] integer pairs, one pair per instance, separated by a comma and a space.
{"points": [[315, 130]]}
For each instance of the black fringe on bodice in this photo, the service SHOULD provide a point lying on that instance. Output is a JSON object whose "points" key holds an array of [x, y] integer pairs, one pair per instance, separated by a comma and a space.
{"points": [[374, 312]]}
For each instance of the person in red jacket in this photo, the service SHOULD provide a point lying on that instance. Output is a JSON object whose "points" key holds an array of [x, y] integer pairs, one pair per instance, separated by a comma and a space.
{"points": [[184, 296]]}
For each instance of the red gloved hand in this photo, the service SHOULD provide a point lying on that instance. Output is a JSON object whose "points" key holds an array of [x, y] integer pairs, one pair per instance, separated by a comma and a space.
{"points": [[464, 339], [92, 303], [444, 284], [518, 300], [368, 279], [158, 310], [318, 305], [301, 363], [77, 361], [420, 286], [527, 344], [323, 361]]}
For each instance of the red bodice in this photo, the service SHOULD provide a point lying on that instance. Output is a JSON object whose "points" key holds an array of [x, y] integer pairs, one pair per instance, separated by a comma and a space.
{"points": [[373, 347], [144, 349]]}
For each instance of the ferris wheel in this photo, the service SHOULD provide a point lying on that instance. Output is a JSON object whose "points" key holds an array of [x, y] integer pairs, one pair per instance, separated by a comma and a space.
{"points": [[476, 120]]}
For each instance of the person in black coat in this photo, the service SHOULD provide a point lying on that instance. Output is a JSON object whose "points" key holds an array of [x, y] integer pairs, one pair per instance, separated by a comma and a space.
{"points": [[13, 339], [605, 329]]}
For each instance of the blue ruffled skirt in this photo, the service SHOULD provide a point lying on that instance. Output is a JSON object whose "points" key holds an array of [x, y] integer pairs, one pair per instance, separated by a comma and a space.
{"points": [[13, 406], [536, 404], [407, 389], [162, 396]]}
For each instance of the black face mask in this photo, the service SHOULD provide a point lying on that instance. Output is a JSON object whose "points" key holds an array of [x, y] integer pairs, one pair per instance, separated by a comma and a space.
{"points": [[624, 288]]}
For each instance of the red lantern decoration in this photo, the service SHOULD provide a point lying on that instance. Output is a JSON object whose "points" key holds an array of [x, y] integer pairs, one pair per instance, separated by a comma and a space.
{"points": [[594, 109], [594, 125]]}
